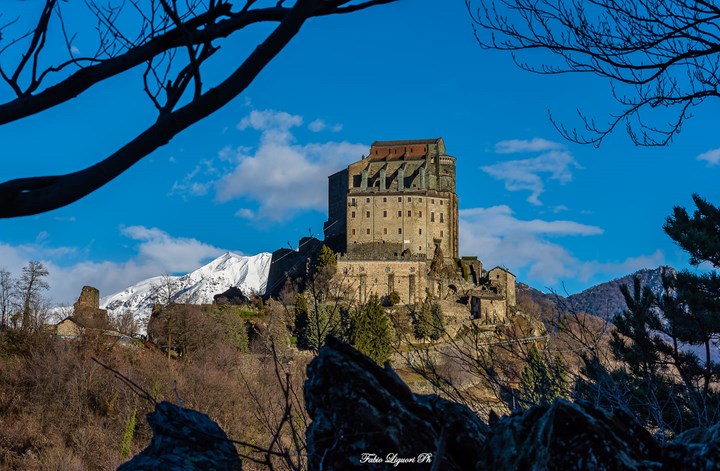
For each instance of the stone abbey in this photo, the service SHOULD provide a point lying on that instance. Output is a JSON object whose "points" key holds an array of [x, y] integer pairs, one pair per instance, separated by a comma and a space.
{"points": [[393, 219]]}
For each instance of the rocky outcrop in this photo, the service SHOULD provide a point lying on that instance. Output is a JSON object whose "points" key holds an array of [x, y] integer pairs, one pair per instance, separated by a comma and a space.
{"points": [[569, 436], [232, 295], [184, 440], [365, 417]]}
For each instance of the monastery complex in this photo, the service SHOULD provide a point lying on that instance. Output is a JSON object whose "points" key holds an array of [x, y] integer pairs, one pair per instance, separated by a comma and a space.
{"points": [[393, 220]]}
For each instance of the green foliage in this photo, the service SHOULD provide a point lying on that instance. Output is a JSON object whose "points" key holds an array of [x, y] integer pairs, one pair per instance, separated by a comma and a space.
{"points": [[234, 330], [394, 298], [371, 332], [428, 321], [128, 435], [314, 324], [541, 382], [698, 235], [326, 258]]}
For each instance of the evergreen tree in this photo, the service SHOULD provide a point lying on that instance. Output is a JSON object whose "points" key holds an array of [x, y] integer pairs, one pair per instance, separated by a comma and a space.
{"points": [[428, 321], [326, 258], [372, 334], [540, 381], [301, 322]]}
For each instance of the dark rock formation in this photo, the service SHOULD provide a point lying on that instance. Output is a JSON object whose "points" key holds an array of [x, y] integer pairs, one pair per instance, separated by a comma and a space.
{"points": [[186, 440], [233, 295], [569, 436], [364, 417], [697, 449], [86, 310]]}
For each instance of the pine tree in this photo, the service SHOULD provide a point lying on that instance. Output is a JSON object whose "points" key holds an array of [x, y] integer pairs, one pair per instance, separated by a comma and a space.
{"points": [[540, 381], [326, 258], [301, 321], [372, 334], [428, 321]]}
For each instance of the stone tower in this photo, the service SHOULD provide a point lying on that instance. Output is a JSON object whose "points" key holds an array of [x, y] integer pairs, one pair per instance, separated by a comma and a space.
{"points": [[400, 199]]}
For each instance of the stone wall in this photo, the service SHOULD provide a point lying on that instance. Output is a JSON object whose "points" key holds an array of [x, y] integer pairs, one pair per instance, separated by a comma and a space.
{"points": [[367, 277]]}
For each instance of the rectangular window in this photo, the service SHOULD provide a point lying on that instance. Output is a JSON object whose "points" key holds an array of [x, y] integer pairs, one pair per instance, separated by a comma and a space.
{"points": [[432, 201], [352, 214], [367, 200], [409, 213], [409, 199], [419, 248], [385, 230], [399, 230], [419, 200], [367, 214], [399, 199], [352, 201], [441, 233], [353, 231], [385, 200], [367, 231], [432, 217], [420, 231], [399, 214], [384, 214], [419, 214], [441, 202], [441, 217]]}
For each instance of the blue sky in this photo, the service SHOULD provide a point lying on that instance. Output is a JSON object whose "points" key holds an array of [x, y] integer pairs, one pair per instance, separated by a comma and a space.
{"points": [[555, 213]]}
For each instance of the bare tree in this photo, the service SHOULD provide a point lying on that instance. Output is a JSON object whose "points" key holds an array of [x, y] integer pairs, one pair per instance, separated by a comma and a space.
{"points": [[6, 296], [655, 53], [171, 42], [30, 287]]}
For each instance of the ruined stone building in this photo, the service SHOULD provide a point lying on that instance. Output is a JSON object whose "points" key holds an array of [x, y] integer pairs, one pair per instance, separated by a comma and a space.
{"points": [[393, 219]]}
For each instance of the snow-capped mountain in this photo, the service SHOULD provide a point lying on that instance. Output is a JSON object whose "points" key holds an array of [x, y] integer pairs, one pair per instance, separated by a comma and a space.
{"points": [[250, 274]]}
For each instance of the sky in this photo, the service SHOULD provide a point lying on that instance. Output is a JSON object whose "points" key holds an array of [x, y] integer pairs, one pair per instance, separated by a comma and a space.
{"points": [[253, 176]]}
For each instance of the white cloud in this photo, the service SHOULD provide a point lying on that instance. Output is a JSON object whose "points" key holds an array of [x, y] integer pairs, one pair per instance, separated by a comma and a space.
{"points": [[525, 174], [497, 237], [712, 157], [283, 177], [536, 144], [317, 125], [156, 252]]}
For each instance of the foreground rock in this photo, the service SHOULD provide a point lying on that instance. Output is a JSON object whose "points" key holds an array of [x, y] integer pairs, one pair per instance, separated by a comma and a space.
{"points": [[186, 440], [365, 417], [569, 436]]}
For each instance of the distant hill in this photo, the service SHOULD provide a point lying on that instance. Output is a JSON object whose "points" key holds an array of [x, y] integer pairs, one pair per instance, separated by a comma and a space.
{"points": [[603, 300]]}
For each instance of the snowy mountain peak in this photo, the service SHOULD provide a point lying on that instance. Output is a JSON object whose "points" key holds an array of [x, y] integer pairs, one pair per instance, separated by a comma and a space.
{"points": [[249, 273]]}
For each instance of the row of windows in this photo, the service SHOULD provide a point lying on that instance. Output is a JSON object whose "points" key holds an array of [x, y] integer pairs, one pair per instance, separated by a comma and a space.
{"points": [[353, 201], [385, 231], [409, 213]]}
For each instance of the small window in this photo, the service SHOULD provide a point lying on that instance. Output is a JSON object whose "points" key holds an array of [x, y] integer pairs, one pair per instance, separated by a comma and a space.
{"points": [[385, 231], [385, 200], [441, 233], [399, 214], [419, 200], [384, 214], [353, 231], [419, 214], [367, 200], [367, 214], [432, 217], [441, 202], [441, 217], [399, 230], [352, 200], [409, 199], [432, 201], [420, 231], [352, 214], [399, 199], [367, 231], [409, 213], [419, 248]]}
